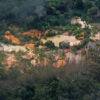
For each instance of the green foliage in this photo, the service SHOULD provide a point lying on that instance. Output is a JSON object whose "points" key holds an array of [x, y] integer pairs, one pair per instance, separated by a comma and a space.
{"points": [[64, 45], [77, 88], [50, 45], [39, 43], [93, 11], [95, 64], [81, 45], [51, 33], [2, 56], [3, 74], [3, 26], [35, 38], [25, 38], [52, 12], [87, 32], [13, 31], [42, 55]]}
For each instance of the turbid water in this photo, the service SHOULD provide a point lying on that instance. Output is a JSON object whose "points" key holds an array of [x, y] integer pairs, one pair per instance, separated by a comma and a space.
{"points": [[59, 38]]}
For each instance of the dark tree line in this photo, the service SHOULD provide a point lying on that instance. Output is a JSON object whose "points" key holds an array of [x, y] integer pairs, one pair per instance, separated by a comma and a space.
{"points": [[44, 13]]}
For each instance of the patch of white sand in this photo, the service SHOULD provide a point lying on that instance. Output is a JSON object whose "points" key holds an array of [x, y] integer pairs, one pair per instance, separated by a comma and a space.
{"points": [[11, 48], [57, 39]]}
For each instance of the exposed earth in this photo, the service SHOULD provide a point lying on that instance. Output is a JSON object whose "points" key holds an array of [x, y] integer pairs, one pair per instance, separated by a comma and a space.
{"points": [[40, 56]]}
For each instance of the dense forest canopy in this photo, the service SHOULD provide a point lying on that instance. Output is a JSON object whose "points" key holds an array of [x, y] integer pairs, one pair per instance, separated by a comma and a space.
{"points": [[36, 13], [24, 75]]}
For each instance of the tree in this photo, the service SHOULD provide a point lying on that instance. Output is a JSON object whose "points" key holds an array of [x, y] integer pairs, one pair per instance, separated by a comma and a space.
{"points": [[50, 45], [77, 87], [93, 11], [51, 33]]}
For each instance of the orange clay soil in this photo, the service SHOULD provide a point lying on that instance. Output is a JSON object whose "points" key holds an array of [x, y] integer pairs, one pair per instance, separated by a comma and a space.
{"points": [[33, 33], [30, 46], [46, 32], [36, 33], [11, 37], [14, 39], [67, 50]]}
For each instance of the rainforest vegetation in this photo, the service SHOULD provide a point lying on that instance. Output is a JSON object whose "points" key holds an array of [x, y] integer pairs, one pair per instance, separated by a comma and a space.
{"points": [[70, 82], [42, 14]]}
